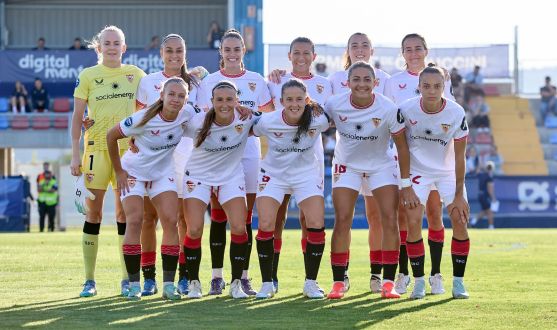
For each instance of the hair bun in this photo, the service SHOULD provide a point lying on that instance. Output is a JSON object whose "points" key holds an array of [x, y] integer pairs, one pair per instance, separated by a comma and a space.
{"points": [[432, 65]]}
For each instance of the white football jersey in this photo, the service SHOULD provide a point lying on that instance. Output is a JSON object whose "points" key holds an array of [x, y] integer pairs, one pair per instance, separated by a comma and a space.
{"points": [[339, 81], [404, 86], [364, 133], [431, 135], [156, 142], [289, 158], [252, 92], [218, 158], [319, 90]]}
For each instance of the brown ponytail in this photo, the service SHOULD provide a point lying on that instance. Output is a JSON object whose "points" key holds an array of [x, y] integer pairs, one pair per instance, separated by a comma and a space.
{"points": [[346, 61], [156, 107], [232, 33]]}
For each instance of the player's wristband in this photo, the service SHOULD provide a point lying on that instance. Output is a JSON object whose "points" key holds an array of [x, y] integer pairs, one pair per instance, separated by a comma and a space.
{"points": [[405, 183]]}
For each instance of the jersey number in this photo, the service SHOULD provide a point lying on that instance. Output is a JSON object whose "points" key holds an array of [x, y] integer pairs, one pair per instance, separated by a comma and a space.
{"points": [[91, 163], [265, 178]]}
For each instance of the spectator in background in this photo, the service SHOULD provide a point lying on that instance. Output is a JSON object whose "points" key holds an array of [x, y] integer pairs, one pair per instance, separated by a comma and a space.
{"points": [[19, 97], [39, 97], [496, 158], [474, 84], [321, 69], [155, 44], [472, 161], [329, 144], [486, 195], [480, 112], [458, 87], [48, 198], [77, 45], [548, 93], [40, 45], [214, 35]]}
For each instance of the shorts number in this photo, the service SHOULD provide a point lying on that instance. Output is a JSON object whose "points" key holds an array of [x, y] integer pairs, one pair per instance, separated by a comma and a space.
{"points": [[340, 168], [265, 178], [91, 163]]}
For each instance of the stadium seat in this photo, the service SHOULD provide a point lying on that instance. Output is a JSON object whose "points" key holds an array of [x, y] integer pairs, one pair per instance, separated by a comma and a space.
{"points": [[553, 138], [61, 122], [483, 153], [491, 90], [4, 123], [4, 104], [41, 122], [483, 138], [551, 122], [61, 104], [20, 122]]}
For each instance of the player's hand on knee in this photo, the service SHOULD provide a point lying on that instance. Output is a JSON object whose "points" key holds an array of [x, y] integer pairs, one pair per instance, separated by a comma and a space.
{"points": [[409, 198], [275, 75], [132, 145], [461, 206], [122, 177]]}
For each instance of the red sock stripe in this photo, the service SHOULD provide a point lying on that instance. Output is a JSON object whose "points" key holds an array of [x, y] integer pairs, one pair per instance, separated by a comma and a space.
{"points": [[375, 257], [218, 215], [248, 219], [277, 243], [415, 250], [148, 258], [316, 237], [460, 248], [339, 259], [173, 250], [390, 257], [348, 256], [181, 258], [131, 249], [191, 243], [264, 235], [403, 236], [239, 239], [436, 235], [304, 244]]}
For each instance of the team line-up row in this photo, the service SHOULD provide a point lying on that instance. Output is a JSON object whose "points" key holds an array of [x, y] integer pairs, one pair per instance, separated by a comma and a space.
{"points": [[195, 142]]}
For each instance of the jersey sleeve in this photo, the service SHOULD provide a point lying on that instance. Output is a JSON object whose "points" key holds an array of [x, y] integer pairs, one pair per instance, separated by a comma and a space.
{"points": [[448, 92], [82, 86], [328, 108], [323, 122], [461, 132], [128, 126], [260, 124], [271, 86], [396, 119], [264, 96], [141, 95], [195, 122]]}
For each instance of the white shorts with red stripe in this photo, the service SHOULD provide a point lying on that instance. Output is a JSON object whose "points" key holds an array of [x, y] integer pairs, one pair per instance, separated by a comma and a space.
{"points": [[195, 188], [345, 177], [251, 167], [151, 188], [276, 188], [424, 183]]}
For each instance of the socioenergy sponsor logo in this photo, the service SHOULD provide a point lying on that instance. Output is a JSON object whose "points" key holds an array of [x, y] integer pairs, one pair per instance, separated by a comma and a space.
{"points": [[54, 67]]}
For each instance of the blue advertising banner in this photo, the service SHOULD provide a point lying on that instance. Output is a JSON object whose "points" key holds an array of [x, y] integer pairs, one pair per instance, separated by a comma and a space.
{"points": [[493, 60]]}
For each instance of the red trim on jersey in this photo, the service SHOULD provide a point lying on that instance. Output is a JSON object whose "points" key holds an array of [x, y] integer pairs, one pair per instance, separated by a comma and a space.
{"points": [[169, 76], [402, 130], [164, 119], [233, 118], [233, 75], [462, 138], [367, 106], [284, 119], [120, 129], [412, 73], [139, 103], [266, 104], [432, 113], [311, 75]]}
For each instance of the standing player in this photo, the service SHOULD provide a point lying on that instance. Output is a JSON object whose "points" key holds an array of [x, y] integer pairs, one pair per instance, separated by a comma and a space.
{"points": [[157, 132], [302, 54], [291, 167], [365, 122], [436, 133], [486, 195], [254, 94], [173, 53], [108, 90], [399, 88], [215, 168]]}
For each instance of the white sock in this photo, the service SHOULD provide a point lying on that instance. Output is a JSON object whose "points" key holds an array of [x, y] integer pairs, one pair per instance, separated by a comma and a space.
{"points": [[167, 283], [217, 272], [387, 281], [245, 273], [14, 109], [135, 284], [377, 275], [346, 272], [458, 278], [416, 279]]}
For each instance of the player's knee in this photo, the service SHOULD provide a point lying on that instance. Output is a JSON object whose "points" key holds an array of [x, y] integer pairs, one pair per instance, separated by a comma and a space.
{"points": [[239, 227], [434, 213], [195, 231], [414, 222], [343, 223]]}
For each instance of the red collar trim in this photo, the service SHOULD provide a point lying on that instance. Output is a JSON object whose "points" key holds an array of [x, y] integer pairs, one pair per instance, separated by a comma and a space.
{"points": [[166, 75], [432, 113], [311, 75], [412, 73], [233, 118], [164, 119], [367, 106], [284, 119], [232, 75]]}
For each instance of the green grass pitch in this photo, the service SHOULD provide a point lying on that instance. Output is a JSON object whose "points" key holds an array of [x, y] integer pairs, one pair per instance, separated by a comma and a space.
{"points": [[510, 277]]}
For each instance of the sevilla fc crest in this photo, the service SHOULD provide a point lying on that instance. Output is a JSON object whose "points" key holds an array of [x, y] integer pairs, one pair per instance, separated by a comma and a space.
{"points": [[311, 132], [252, 86], [132, 182], [336, 176], [262, 186], [239, 128], [130, 77], [445, 127], [190, 186], [90, 177], [376, 122], [320, 89]]}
